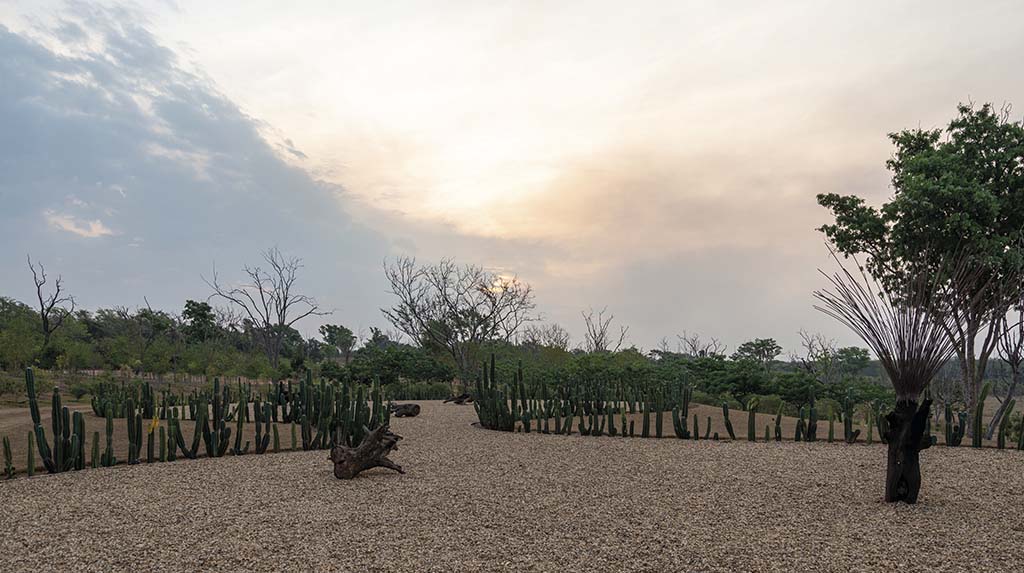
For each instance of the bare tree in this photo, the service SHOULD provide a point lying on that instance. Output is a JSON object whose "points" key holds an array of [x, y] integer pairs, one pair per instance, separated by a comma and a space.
{"points": [[550, 335], [599, 336], [907, 332], [817, 356], [456, 307], [694, 346], [268, 300], [1011, 349], [52, 311]]}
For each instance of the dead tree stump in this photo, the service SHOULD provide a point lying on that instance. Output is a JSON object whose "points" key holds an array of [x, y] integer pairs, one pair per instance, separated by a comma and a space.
{"points": [[405, 410], [906, 439], [372, 452], [460, 399]]}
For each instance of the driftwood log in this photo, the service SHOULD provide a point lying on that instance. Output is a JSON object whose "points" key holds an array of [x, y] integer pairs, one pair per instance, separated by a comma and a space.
{"points": [[372, 452], [405, 410], [906, 438], [460, 399]]}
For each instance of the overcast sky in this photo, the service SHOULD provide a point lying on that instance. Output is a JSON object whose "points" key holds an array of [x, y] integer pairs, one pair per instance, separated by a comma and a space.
{"points": [[657, 158]]}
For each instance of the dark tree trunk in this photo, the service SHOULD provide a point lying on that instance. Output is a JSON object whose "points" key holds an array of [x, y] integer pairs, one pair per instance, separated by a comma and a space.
{"points": [[906, 438], [461, 399], [405, 410], [372, 452]]}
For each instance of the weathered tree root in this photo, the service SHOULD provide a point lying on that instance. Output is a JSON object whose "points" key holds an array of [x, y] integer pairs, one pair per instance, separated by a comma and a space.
{"points": [[460, 399], [405, 410], [906, 439], [372, 452]]}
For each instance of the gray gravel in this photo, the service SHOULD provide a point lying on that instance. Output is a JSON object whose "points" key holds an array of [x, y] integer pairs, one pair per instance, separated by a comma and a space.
{"points": [[477, 500]]}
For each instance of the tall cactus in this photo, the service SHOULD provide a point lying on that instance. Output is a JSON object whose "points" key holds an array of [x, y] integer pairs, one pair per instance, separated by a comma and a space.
{"points": [[979, 412], [1001, 436], [752, 419], [728, 423], [8, 460], [33, 404]]}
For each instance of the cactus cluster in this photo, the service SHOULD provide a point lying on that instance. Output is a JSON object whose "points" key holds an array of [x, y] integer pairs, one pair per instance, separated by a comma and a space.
{"points": [[68, 452]]}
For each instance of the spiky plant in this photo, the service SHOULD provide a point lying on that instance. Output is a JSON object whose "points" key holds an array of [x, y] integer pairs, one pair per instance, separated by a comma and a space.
{"points": [[906, 328]]}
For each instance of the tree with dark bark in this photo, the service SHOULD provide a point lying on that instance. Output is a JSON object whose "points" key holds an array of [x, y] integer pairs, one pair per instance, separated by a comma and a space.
{"points": [[268, 300], [964, 187], [456, 308], [55, 307], [905, 325], [372, 452]]}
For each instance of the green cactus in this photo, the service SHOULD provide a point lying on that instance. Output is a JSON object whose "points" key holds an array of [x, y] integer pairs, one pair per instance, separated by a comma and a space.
{"points": [[1001, 436], [752, 419], [33, 403], [954, 431], [109, 459], [979, 413], [728, 423], [31, 465], [163, 444], [831, 425], [871, 427], [707, 433], [8, 460], [277, 442], [811, 431], [778, 424], [95, 450]]}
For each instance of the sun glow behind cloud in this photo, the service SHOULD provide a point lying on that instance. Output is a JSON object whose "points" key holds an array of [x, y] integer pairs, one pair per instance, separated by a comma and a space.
{"points": [[608, 155]]}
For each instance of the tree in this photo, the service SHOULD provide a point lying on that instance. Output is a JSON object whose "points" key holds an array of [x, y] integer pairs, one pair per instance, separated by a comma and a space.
{"points": [[548, 335], [52, 311], [269, 302], [200, 321], [340, 338], [456, 308], [599, 336], [761, 351], [1011, 350], [695, 346], [951, 194], [905, 325]]}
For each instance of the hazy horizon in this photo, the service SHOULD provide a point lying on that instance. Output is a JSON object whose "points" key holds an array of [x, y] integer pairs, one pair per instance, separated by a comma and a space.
{"points": [[661, 161]]}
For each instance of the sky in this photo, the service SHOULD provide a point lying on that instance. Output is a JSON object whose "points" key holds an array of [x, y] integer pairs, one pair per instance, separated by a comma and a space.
{"points": [[660, 159]]}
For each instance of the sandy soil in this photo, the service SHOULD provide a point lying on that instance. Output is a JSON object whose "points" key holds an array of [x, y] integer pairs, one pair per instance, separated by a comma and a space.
{"points": [[477, 500]]}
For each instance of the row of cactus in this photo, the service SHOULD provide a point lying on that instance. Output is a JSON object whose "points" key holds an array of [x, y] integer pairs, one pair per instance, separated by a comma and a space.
{"points": [[339, 414]]}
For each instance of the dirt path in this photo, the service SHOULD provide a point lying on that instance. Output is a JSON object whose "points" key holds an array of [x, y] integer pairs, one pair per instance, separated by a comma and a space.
{"points": [[475, 500]]}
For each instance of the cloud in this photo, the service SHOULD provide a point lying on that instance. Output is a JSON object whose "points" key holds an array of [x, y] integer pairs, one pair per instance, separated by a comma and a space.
{"points": [[109, 137], [71, 224]]}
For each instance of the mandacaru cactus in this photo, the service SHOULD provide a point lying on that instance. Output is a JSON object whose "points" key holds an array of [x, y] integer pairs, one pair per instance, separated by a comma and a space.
{"points": [[954, 431], [8, 459], [728, 423], [1001, 436], [849, 434], [979, 412], [778, 424], [752, 419]]}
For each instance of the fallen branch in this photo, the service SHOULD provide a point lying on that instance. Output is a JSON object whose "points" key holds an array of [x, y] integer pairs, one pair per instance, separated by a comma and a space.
{"points": [[372, 452]]}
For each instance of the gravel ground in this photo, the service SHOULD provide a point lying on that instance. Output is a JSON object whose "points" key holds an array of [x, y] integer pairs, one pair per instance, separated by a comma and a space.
{"points": [[475, 500]]}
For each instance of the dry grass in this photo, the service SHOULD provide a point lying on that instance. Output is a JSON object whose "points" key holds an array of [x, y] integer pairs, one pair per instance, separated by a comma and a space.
{"points": [[478, 500]]}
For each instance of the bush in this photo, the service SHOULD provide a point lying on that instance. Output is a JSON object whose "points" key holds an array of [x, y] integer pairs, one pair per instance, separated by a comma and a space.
{"points": [[418, 391]]}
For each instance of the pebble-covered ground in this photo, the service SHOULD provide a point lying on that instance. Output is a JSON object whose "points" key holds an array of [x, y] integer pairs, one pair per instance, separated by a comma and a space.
{"points": [[475, 500]]}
